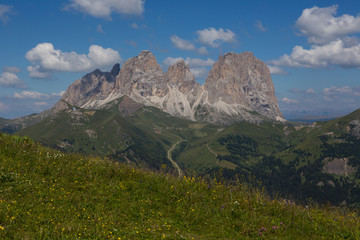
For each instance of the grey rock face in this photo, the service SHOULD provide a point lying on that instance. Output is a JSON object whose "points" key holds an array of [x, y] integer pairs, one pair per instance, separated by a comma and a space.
{"points": [[355, 128], [93, 86], [238, 88], [143, 74], [180, 76], [244, 80]]}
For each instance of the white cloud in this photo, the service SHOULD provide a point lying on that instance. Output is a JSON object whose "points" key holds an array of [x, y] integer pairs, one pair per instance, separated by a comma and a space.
{"points": [[259, 26], [277, 70], [187, 45], [321, 26], [288, 101], [170, 61], [36, 95], [202, 51], [104, 8], [4, 11], [45, 59], [10, 79], [197, 66], [214, 38], [197, 62], [334, 53], [310, 91], [193, 62], [337, 90], [30, 95], [182, 44], [199, 72]]}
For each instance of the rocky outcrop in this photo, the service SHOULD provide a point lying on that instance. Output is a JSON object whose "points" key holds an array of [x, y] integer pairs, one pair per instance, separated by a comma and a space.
{"points": [[94, 86], [242, 80], [179, 76], [184, 93], [355, 128], [338, 166], [238, 87], [143, 76]]}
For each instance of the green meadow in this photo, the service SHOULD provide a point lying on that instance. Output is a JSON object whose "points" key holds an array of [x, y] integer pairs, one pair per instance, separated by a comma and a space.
{"points": [[47, 194]]}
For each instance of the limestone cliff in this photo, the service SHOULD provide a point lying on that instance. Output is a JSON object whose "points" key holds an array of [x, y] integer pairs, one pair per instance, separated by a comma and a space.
{"points": [[237, 87]]}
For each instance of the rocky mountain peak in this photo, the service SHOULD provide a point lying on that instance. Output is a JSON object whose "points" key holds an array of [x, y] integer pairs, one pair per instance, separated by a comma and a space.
{"points": [[89, 87], [179, 75], [115, 70], [141, 75], [237, 85], [244, 80]]}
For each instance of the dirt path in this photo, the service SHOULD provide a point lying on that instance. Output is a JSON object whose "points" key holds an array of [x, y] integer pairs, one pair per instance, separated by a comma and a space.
{"points": [[180, 172], [210, 150]]}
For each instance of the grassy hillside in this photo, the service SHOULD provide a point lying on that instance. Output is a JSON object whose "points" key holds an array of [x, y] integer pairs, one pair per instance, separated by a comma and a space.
{"points": [[319, 162], [46, 194]]}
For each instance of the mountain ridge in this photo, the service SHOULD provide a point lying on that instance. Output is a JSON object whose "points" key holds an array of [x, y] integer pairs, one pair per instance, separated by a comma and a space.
{"points": [[237, 85], [238, 88]]}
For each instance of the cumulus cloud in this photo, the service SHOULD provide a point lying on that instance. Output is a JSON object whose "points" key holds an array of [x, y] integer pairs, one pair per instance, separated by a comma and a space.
{"points": [[199, 72], [346, 90], [277, 70], [170, 60], [10, 79], [330, 36], [104, 8], [335, 53], [214, 38], [197, 62], [288, 100], [5, 10], [30, 95], [310, 91], [259, 26], [45, 60], [197, 65], [187, 45], [321, 26], [203, 51], [193, 62], [36, 95], [182, 44]]}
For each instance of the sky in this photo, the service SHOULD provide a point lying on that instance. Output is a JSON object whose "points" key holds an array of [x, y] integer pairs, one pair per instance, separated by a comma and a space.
{"points": [[311, 47]]}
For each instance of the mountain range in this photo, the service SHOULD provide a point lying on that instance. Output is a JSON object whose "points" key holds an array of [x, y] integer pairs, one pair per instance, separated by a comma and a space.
{"points": [[231, 125], [237, 85]]}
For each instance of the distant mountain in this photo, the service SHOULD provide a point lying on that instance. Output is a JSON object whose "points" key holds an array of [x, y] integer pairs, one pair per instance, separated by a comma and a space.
{"points": [[237, 86]]}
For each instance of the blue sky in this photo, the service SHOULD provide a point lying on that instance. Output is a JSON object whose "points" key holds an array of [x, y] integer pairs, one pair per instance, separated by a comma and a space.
{"points": [[311, 47]]}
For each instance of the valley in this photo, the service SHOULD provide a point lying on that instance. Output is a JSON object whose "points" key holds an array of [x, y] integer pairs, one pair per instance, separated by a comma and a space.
{"points": [[230, 128]]}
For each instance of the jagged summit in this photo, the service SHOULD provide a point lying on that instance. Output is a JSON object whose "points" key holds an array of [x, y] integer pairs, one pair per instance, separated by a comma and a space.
{"points": [[244, 80], [237, 85]]}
